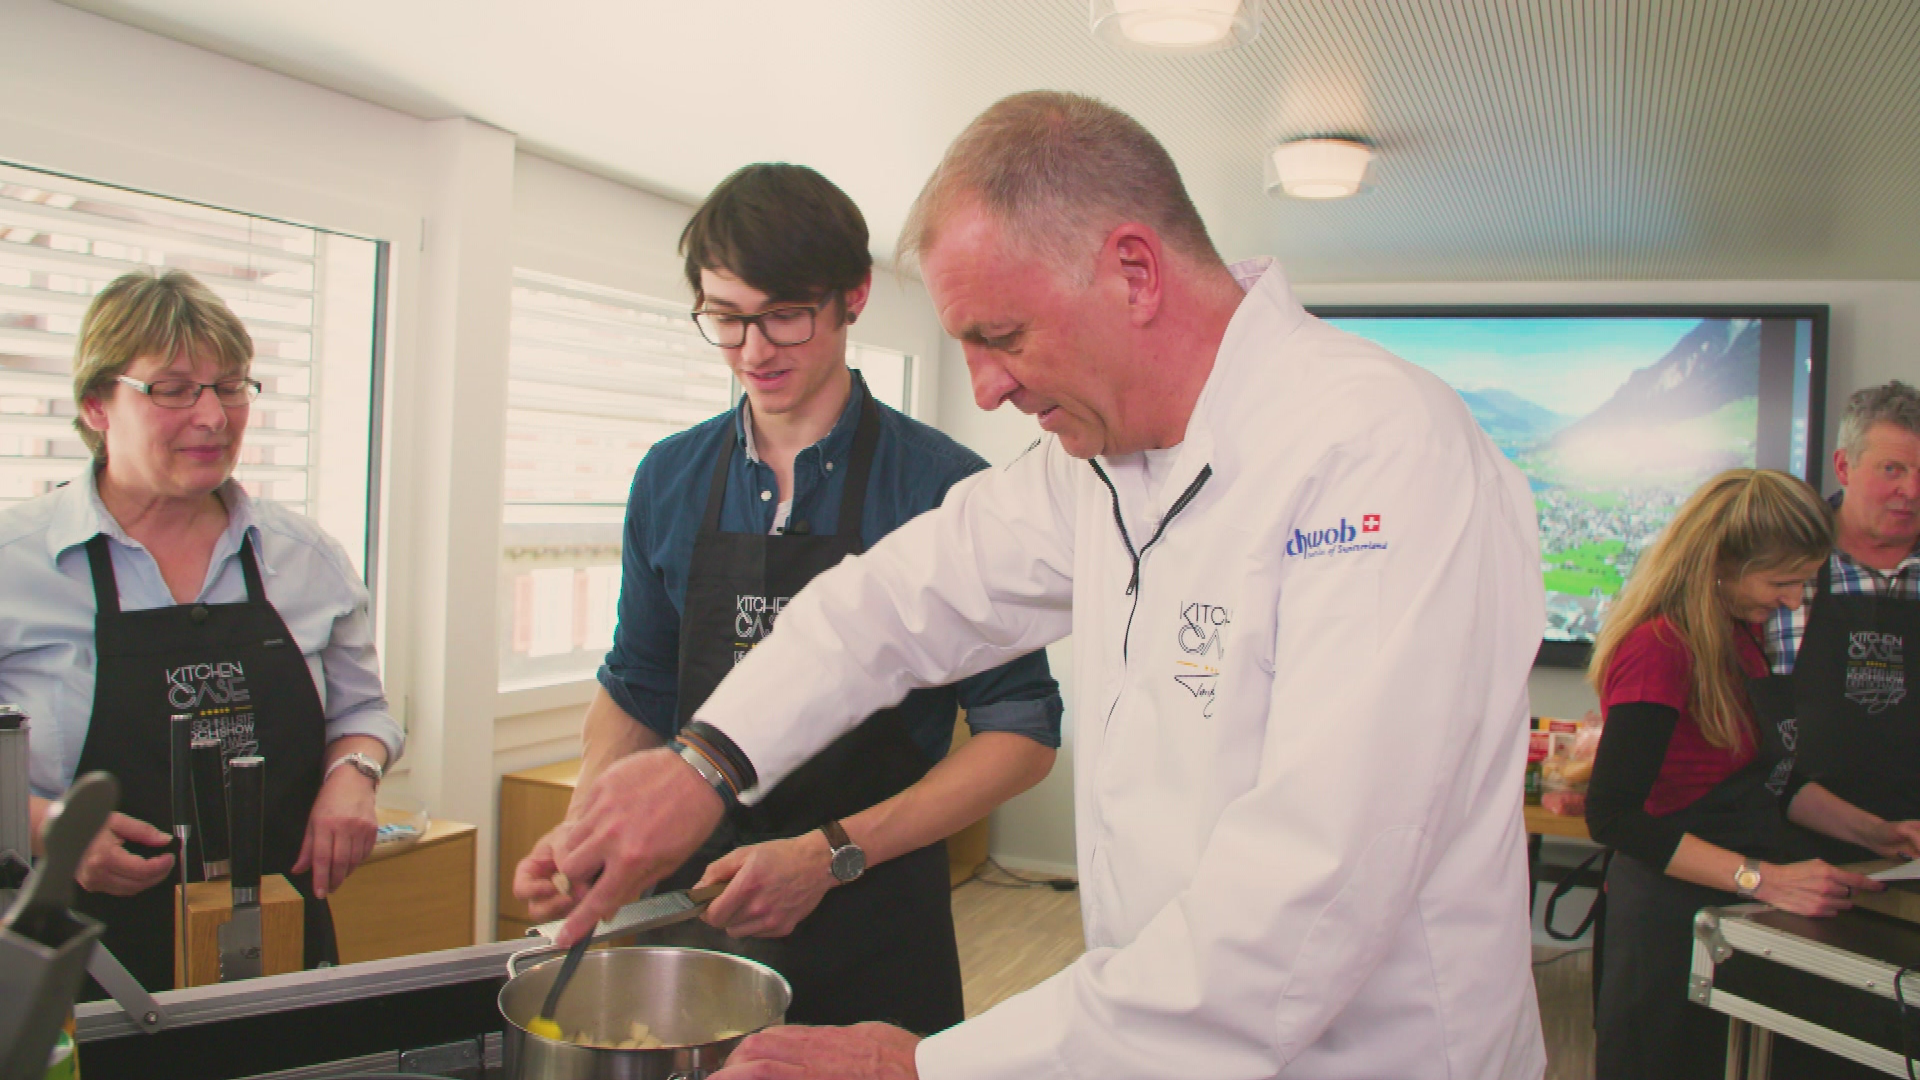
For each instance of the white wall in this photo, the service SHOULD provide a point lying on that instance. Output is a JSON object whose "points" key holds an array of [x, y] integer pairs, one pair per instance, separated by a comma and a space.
{"points": [[1873, 332]]}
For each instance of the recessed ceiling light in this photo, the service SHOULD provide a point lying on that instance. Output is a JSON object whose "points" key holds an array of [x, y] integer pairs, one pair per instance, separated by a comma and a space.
{"points": [[1318, 168], [1185, 26]]}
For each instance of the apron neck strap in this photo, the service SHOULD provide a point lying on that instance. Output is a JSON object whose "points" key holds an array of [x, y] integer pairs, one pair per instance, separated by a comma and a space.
{"points": [[106, 591], [853, 501], [106, 588], [1824, 583], [717, 487], [250, 569]]}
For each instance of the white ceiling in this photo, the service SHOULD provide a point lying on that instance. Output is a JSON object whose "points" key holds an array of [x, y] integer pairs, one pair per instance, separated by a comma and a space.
{"points": [[1518, 139]]}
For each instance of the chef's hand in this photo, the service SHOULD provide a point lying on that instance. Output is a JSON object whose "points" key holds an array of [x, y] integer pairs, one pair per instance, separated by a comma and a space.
{"points": [[774, 885], [533, 878], [1811, 888], [860, 1052], [109, 868], [1896, 840], [637, 823], [340, 830]]}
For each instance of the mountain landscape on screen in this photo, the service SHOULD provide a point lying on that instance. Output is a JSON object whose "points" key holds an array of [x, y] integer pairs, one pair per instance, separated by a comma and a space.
{"points": [[1614, 421]]}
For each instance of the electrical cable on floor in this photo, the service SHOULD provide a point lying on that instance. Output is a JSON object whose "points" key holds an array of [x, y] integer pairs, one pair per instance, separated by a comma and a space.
{"points": [[1059, 884], [1560, 957]]}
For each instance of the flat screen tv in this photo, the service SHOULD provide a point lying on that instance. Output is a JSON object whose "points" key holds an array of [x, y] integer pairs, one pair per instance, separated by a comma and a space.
{"points": [[1616, 414]]}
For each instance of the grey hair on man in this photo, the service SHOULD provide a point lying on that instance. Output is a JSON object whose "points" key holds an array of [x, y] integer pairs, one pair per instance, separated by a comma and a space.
{"points": [[1060, 171], [1893, 403]]}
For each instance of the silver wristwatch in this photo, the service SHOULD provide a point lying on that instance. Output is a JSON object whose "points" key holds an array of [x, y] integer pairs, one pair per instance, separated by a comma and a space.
{"points": [[1746, 880], [361, 763], [849, 861]]}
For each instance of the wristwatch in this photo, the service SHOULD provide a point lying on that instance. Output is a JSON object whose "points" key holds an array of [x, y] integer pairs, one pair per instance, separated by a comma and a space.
{"points": [[848, 861], [361, 763], [1746, 880]]}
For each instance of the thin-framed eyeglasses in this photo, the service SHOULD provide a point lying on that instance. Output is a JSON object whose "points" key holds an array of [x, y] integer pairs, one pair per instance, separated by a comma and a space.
{"points": [[789, 324], [185, 393]]}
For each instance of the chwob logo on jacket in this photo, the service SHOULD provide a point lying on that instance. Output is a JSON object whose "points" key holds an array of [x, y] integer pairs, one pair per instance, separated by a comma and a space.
{"points": [[1340, 538]]}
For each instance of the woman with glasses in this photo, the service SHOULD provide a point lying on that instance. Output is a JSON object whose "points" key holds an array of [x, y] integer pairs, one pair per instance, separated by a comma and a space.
{"points": [[152, 585]]}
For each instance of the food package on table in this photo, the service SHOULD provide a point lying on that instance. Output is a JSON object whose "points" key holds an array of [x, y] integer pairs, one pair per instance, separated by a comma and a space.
{"points": [[1568, 767]]}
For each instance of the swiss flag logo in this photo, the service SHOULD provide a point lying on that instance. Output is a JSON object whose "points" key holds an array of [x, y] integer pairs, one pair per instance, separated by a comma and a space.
{"points": [[1370, 523]]}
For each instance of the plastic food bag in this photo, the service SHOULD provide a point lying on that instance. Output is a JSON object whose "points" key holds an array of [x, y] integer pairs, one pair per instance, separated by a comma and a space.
{"points": [[1568, 767]]}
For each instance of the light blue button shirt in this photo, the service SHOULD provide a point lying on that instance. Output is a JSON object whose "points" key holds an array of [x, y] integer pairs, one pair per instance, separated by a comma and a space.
{"points": [[47, 613]]}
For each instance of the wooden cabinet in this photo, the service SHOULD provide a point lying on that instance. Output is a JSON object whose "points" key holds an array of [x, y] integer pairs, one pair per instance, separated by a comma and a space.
{"points": [[532, 802], [413, 900]]}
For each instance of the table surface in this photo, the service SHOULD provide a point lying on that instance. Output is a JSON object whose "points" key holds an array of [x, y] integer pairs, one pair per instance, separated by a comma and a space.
{"points": [[438, 832], [1543, 822]]}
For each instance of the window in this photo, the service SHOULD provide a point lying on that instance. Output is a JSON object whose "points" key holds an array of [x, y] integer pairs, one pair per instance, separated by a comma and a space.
{"points": [[311, 300], [595, 377]]}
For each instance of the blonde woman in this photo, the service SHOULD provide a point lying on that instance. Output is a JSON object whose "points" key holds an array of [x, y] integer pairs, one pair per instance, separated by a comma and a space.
{"points": [[1693, 785], [151, 585]]}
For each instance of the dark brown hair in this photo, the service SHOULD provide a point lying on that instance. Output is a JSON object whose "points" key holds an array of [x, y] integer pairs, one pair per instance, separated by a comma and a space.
{"points": [[783, 229]]}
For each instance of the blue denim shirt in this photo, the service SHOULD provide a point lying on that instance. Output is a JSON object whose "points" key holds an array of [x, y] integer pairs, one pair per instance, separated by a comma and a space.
{"points": [[913, 466]]}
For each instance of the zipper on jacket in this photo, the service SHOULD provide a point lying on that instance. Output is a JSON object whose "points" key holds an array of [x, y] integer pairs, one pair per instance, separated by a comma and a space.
{"points": [[1133, 583]]}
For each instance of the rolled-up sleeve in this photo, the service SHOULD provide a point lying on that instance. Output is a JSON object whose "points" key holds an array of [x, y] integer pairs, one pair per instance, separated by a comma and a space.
{"points": [[641, 672], [1019, 698]]}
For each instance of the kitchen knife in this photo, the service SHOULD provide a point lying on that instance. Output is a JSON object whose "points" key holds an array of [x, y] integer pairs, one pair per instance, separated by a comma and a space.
{"points": [[180, 792], [180, 761], [240, 935], [210, 807]]}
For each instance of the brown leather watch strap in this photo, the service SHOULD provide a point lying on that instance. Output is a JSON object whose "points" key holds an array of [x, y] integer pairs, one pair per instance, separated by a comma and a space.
{"points": [[837, 837]]}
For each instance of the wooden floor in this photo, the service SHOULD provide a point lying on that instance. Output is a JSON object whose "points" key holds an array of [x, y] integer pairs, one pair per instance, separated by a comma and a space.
{"points": [[1011, 939]]}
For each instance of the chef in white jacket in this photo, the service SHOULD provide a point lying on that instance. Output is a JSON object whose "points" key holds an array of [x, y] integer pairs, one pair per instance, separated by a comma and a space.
{"points": [[1304, 595]]}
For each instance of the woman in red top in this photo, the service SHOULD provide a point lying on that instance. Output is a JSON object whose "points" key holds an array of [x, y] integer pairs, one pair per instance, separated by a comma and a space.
{"points": [[1692, 792]]}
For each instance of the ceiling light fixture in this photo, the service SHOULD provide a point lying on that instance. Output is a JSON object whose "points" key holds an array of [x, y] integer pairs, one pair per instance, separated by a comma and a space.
{"points": [[1318, 168], [1181, 26]]}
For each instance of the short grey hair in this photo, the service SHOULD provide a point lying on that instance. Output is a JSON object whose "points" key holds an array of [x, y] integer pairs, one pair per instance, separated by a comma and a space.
{"points": [[1895, 403], [1060, 171]]}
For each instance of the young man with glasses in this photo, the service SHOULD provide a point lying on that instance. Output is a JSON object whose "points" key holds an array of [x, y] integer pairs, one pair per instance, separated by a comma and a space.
{"points": [[838, 875]]}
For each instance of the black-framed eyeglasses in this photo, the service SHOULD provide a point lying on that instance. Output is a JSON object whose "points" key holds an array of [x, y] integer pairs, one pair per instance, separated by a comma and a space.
{"points": [[185, 393], [789, 324]]}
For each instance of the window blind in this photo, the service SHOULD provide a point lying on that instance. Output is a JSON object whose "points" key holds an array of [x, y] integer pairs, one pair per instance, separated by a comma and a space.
{"points": [[596, 376], [62, 240]]}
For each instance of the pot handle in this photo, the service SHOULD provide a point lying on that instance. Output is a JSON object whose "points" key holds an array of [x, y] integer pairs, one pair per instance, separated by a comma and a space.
{"points": [[538, 951]]}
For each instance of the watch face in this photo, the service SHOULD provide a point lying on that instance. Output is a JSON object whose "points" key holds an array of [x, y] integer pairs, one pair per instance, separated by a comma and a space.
{"points": [[1746, 879], [849, 862]]}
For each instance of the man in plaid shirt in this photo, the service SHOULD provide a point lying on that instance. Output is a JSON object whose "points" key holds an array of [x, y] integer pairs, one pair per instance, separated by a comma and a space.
{"points": [[1853, 648]]}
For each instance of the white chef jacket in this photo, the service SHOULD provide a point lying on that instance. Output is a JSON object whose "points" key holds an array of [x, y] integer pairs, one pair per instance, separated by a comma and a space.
{"points": [[1301, 723]]}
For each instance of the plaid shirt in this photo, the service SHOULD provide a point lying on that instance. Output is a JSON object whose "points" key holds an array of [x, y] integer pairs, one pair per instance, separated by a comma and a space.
{"points": [[1786, 627]]}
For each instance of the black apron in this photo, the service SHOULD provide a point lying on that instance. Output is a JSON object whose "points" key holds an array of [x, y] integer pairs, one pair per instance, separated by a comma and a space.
{"points": [[240, 673], [881, 948], [1645, 1028], [1859, 723]]}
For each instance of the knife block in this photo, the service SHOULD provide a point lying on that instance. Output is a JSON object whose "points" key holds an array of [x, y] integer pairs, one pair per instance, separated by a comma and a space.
{"points": [[210, 906]]}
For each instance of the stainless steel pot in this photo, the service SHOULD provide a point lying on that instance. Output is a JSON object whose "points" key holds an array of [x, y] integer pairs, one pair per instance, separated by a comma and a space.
{"points": [[684, 996]]}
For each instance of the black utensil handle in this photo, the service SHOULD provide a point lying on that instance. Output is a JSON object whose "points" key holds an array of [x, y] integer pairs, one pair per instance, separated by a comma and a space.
{"points": [[565, 976], [210, 799], [180, 760], [247, 778]]}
